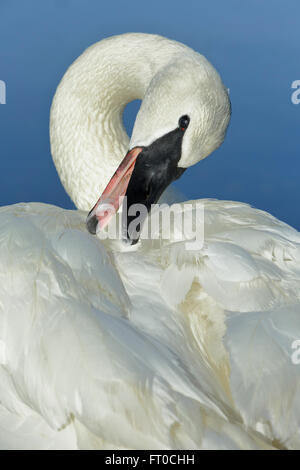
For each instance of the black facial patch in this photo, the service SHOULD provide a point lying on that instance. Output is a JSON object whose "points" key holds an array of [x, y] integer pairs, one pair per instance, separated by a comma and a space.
{"points": [[155, 168]]}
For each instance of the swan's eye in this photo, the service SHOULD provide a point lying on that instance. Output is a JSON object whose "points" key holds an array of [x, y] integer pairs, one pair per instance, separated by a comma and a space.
{"points": [[184, 122]]}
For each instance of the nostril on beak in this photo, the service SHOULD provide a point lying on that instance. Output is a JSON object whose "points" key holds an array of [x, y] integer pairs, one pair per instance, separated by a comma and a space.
{"points": [[91, 223]]}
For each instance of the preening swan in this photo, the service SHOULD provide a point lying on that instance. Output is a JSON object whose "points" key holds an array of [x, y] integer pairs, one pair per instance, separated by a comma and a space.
{"points": [[152, 346]]}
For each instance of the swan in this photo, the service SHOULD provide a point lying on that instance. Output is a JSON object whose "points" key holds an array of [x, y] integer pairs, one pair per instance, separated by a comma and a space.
{"points": [[142, 343]]}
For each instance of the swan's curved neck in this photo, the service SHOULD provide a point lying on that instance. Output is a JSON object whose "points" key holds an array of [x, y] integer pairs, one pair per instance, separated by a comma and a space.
{"points": [[88, 139]]}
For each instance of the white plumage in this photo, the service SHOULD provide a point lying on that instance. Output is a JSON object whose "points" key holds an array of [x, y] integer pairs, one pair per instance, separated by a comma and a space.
{"points": [[108, 346]]}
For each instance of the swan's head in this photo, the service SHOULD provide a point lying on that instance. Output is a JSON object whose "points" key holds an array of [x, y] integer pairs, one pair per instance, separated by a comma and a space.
{"points": [[183, 118]]}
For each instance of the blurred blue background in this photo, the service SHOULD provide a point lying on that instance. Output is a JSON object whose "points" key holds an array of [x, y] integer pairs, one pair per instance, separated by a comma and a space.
{"points": [[254, 45]]}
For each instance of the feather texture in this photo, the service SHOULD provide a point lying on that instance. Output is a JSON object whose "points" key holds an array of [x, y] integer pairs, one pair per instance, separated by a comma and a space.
{"points": [[90, 358]]}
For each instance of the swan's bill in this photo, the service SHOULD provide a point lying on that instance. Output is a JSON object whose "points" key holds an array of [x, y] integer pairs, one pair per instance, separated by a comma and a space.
{"points": [[110, 200], [142, 177]]}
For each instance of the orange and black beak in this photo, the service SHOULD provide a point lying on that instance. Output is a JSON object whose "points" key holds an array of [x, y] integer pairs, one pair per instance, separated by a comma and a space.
{"points": [[111, 198], [142, 177]]}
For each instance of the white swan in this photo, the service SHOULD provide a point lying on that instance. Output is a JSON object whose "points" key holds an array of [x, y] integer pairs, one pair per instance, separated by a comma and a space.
{"points": [[153, 346]]}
